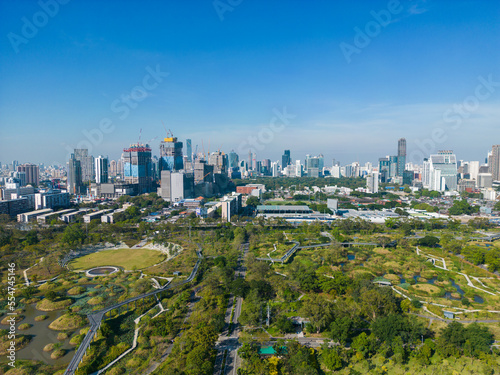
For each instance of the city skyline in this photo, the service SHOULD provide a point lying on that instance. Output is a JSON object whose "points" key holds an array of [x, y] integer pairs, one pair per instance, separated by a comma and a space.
{"points": [[421, 75]]}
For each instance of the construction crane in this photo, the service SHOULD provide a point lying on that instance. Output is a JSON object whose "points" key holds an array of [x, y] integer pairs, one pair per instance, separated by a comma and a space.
{"points": [[140, 134]]}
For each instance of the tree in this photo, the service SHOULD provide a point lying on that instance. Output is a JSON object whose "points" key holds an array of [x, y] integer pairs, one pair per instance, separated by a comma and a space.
{"points": [[497, 206], [198, 361], [51, 295], [338, 283], [462, 208], [284, 324], [31, 238], [429, 241], [240, 287], [399, 350], [340, 329], [253, 201], [364, 344], [4, 218], [383, 240], [331, 358], [456, 340], [377, 302], [425, 352], [396, 326], [299, 359], [73, 235], [318, 310], [480, 223], [28, 291]]}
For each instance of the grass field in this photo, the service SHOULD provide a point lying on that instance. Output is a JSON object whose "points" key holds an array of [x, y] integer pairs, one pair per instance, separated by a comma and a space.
{"points": [[126, 258]]}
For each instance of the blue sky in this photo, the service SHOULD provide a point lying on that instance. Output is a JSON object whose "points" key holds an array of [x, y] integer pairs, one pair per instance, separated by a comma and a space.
{"points": [[419, 75]]}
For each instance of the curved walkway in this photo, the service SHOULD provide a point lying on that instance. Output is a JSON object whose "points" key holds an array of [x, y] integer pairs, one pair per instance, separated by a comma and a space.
{"points": [[95, 319]]}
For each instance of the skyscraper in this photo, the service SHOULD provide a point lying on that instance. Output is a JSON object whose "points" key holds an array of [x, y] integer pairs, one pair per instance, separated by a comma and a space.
{"points": [[233, 159], [495, 163], [189, 150], [171, 155], [285, 159], [137, 167], [440, 172], [372, 182], [401, 156], [101, 170], [314, 165], [86, 163], [113, 168], [32, 173], [74, 182]]}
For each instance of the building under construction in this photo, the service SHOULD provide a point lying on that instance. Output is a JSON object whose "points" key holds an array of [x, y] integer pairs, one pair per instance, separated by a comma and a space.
{"points": [[138, 167], [171, 154]]}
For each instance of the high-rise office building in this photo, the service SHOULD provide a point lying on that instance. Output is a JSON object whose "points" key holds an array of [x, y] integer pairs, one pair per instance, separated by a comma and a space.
{"points": [[314, 165], [233, 159], [171, 155], [20, 177], [384, 168], [32, 173], [101, 170], [440, 172], [274, 169], [372, 182], [74, 182], [254, 162], [401, 156], [137, 167], [494, 163], [86, 162], [189, 150], [285, 159], [408, 177], [112, 168], [473, 170]]}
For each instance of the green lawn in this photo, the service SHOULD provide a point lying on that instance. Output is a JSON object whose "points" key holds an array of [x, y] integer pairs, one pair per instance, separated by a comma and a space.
{"points": [[126, 258]]}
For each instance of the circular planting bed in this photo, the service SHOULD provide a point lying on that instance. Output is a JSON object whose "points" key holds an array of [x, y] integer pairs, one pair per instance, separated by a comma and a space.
{"points": [[102, 271]]}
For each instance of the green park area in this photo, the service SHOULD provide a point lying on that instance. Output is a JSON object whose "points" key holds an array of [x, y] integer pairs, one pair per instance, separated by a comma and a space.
{"points": [[128, 259]]}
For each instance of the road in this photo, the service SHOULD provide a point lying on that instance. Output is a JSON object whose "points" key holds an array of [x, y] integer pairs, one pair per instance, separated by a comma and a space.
{"points": [[228, 342]]}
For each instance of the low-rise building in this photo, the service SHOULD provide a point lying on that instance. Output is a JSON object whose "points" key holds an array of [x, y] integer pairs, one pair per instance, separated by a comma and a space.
{"points": [[94, 215], [32, 215], [43, 219]]}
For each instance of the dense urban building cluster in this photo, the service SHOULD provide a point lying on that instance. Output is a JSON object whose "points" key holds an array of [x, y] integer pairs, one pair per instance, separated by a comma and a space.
{"points": [[177, 175]]}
